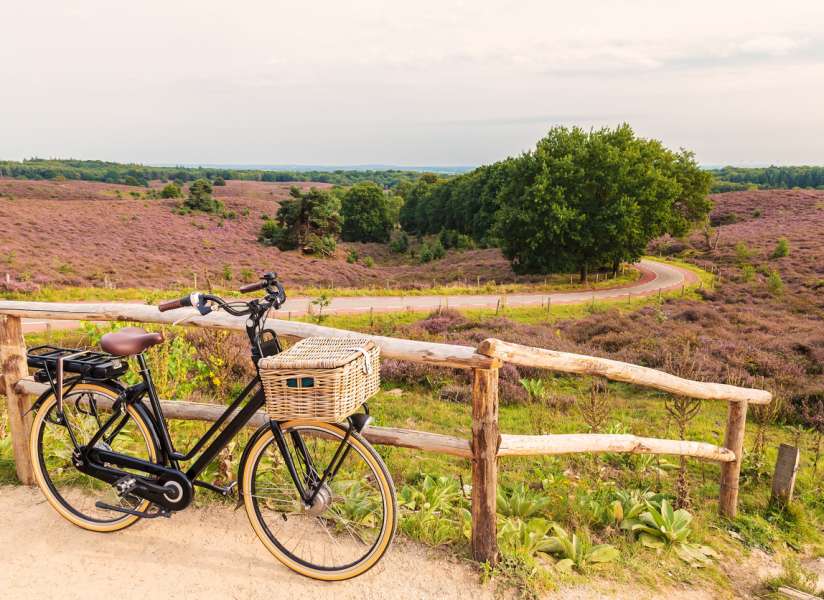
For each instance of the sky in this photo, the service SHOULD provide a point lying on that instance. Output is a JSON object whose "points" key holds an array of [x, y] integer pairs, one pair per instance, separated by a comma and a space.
{"points": [[406, 83]]}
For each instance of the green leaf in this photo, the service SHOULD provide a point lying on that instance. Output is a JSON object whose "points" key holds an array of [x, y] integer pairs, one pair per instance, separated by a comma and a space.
{"points": [[603, 553], [651, 541], [565, 565]]}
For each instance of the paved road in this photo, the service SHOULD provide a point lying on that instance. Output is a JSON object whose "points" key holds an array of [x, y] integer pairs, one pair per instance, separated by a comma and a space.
{"points": [[655, 276]]}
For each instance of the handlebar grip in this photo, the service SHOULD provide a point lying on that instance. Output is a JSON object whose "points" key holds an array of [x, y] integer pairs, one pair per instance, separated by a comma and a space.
{"points": [[253, 287], [173, 304], [169, 305]]}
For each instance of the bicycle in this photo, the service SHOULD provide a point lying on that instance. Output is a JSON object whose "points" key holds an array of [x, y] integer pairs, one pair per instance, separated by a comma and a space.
{"points": [[316, 493]]}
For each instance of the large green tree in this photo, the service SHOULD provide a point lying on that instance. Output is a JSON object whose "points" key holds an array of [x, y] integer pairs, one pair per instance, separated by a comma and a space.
{"points": [[366, 214], [582, 200]]}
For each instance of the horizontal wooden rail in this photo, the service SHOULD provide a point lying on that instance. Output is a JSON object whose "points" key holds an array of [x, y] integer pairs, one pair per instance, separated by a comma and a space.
{"points": [[619, 371], [568, 443], [510, 445], [445, 355], [199, 411]]}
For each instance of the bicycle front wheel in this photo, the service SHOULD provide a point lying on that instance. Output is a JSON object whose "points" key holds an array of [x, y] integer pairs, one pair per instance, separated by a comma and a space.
{"points": [[352, 520]]}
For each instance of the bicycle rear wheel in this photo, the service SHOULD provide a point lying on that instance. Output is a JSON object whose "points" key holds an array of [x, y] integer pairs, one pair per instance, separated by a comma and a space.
{"points": [[74, 494], [352, 521]]}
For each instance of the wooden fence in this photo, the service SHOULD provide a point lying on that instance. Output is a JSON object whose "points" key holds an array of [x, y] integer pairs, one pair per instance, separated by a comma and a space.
{"points": [[484, 448]]}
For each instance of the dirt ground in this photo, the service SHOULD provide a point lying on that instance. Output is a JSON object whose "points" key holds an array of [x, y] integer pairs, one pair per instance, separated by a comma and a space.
{"points": [[200, 553], [212, 552]]}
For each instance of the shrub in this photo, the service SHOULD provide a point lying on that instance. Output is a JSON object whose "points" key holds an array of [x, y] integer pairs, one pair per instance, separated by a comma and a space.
{"points": [[352, 257], [368, 262], [433, 251], [219, 181], [322, 245], [273, 234], [200, 197], [132, 180], [171, 190], [449, 238], [742, 252], [400, 244], [782, 248], [747, 273], [775, 284]]}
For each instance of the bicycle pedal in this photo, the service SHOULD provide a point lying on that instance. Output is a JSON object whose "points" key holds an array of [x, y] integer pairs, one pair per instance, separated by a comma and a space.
{"points": [[125, 485], [138, 513]]}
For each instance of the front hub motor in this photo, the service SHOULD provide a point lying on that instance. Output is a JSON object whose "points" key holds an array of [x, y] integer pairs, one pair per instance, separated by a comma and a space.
{"points": [[321, 502]]}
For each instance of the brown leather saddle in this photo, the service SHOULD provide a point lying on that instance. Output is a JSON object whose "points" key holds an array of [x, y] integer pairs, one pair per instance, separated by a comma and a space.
{"points": [[129, 341]]}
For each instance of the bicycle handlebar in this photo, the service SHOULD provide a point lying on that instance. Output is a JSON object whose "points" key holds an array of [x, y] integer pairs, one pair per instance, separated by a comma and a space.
{"points": [[174, 304], [253, 287], [275, 296]]}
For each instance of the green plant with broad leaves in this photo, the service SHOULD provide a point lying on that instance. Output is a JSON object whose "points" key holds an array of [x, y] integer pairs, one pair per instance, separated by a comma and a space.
{"points": [[520, 501], [434, 510], [630, 504], [517, 537], [577, 551], [661, 527], [360, 505], [536, 389]]}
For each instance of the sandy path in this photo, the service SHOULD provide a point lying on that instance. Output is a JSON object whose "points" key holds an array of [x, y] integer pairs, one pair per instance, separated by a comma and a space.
{"points": [[655, 276], [199, 553]]}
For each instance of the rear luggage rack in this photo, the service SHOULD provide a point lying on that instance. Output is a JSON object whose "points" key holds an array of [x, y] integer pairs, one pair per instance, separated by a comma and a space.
{"points": [[96, 365]]}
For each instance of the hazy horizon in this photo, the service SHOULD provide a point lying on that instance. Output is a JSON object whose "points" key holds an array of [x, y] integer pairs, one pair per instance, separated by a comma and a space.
{"points": [[438, 84]]}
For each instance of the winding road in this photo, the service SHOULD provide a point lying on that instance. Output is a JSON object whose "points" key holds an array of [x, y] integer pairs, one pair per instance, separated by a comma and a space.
{"points": [[654, 276]]}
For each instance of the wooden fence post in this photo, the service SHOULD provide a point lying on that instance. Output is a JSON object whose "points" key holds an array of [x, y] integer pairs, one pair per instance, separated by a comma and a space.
{"points": [[730, 471], [485, 441], [786, 469], [14, 368]]}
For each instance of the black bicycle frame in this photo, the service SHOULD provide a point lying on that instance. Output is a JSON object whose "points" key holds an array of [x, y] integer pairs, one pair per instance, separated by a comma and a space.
{"points": [[97, 460]]}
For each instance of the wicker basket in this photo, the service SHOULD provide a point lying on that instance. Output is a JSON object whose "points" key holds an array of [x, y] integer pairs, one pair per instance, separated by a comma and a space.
{"points": [[320, 378]]}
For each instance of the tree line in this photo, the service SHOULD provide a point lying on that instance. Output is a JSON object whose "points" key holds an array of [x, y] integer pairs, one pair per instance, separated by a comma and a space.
{"points": [[730, 179], [140, 175]]}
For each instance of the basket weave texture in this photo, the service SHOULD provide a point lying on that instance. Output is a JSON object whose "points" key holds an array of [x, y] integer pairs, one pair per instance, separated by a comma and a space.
{"points": [[320, 378]]}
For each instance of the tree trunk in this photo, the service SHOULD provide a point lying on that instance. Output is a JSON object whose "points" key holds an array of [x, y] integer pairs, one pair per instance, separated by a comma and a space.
{"points": [[615, 265], [584, 272]]}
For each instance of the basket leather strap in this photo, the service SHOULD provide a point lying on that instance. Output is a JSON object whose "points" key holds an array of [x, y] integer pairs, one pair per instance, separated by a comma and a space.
{"points": [[367, 363]]}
